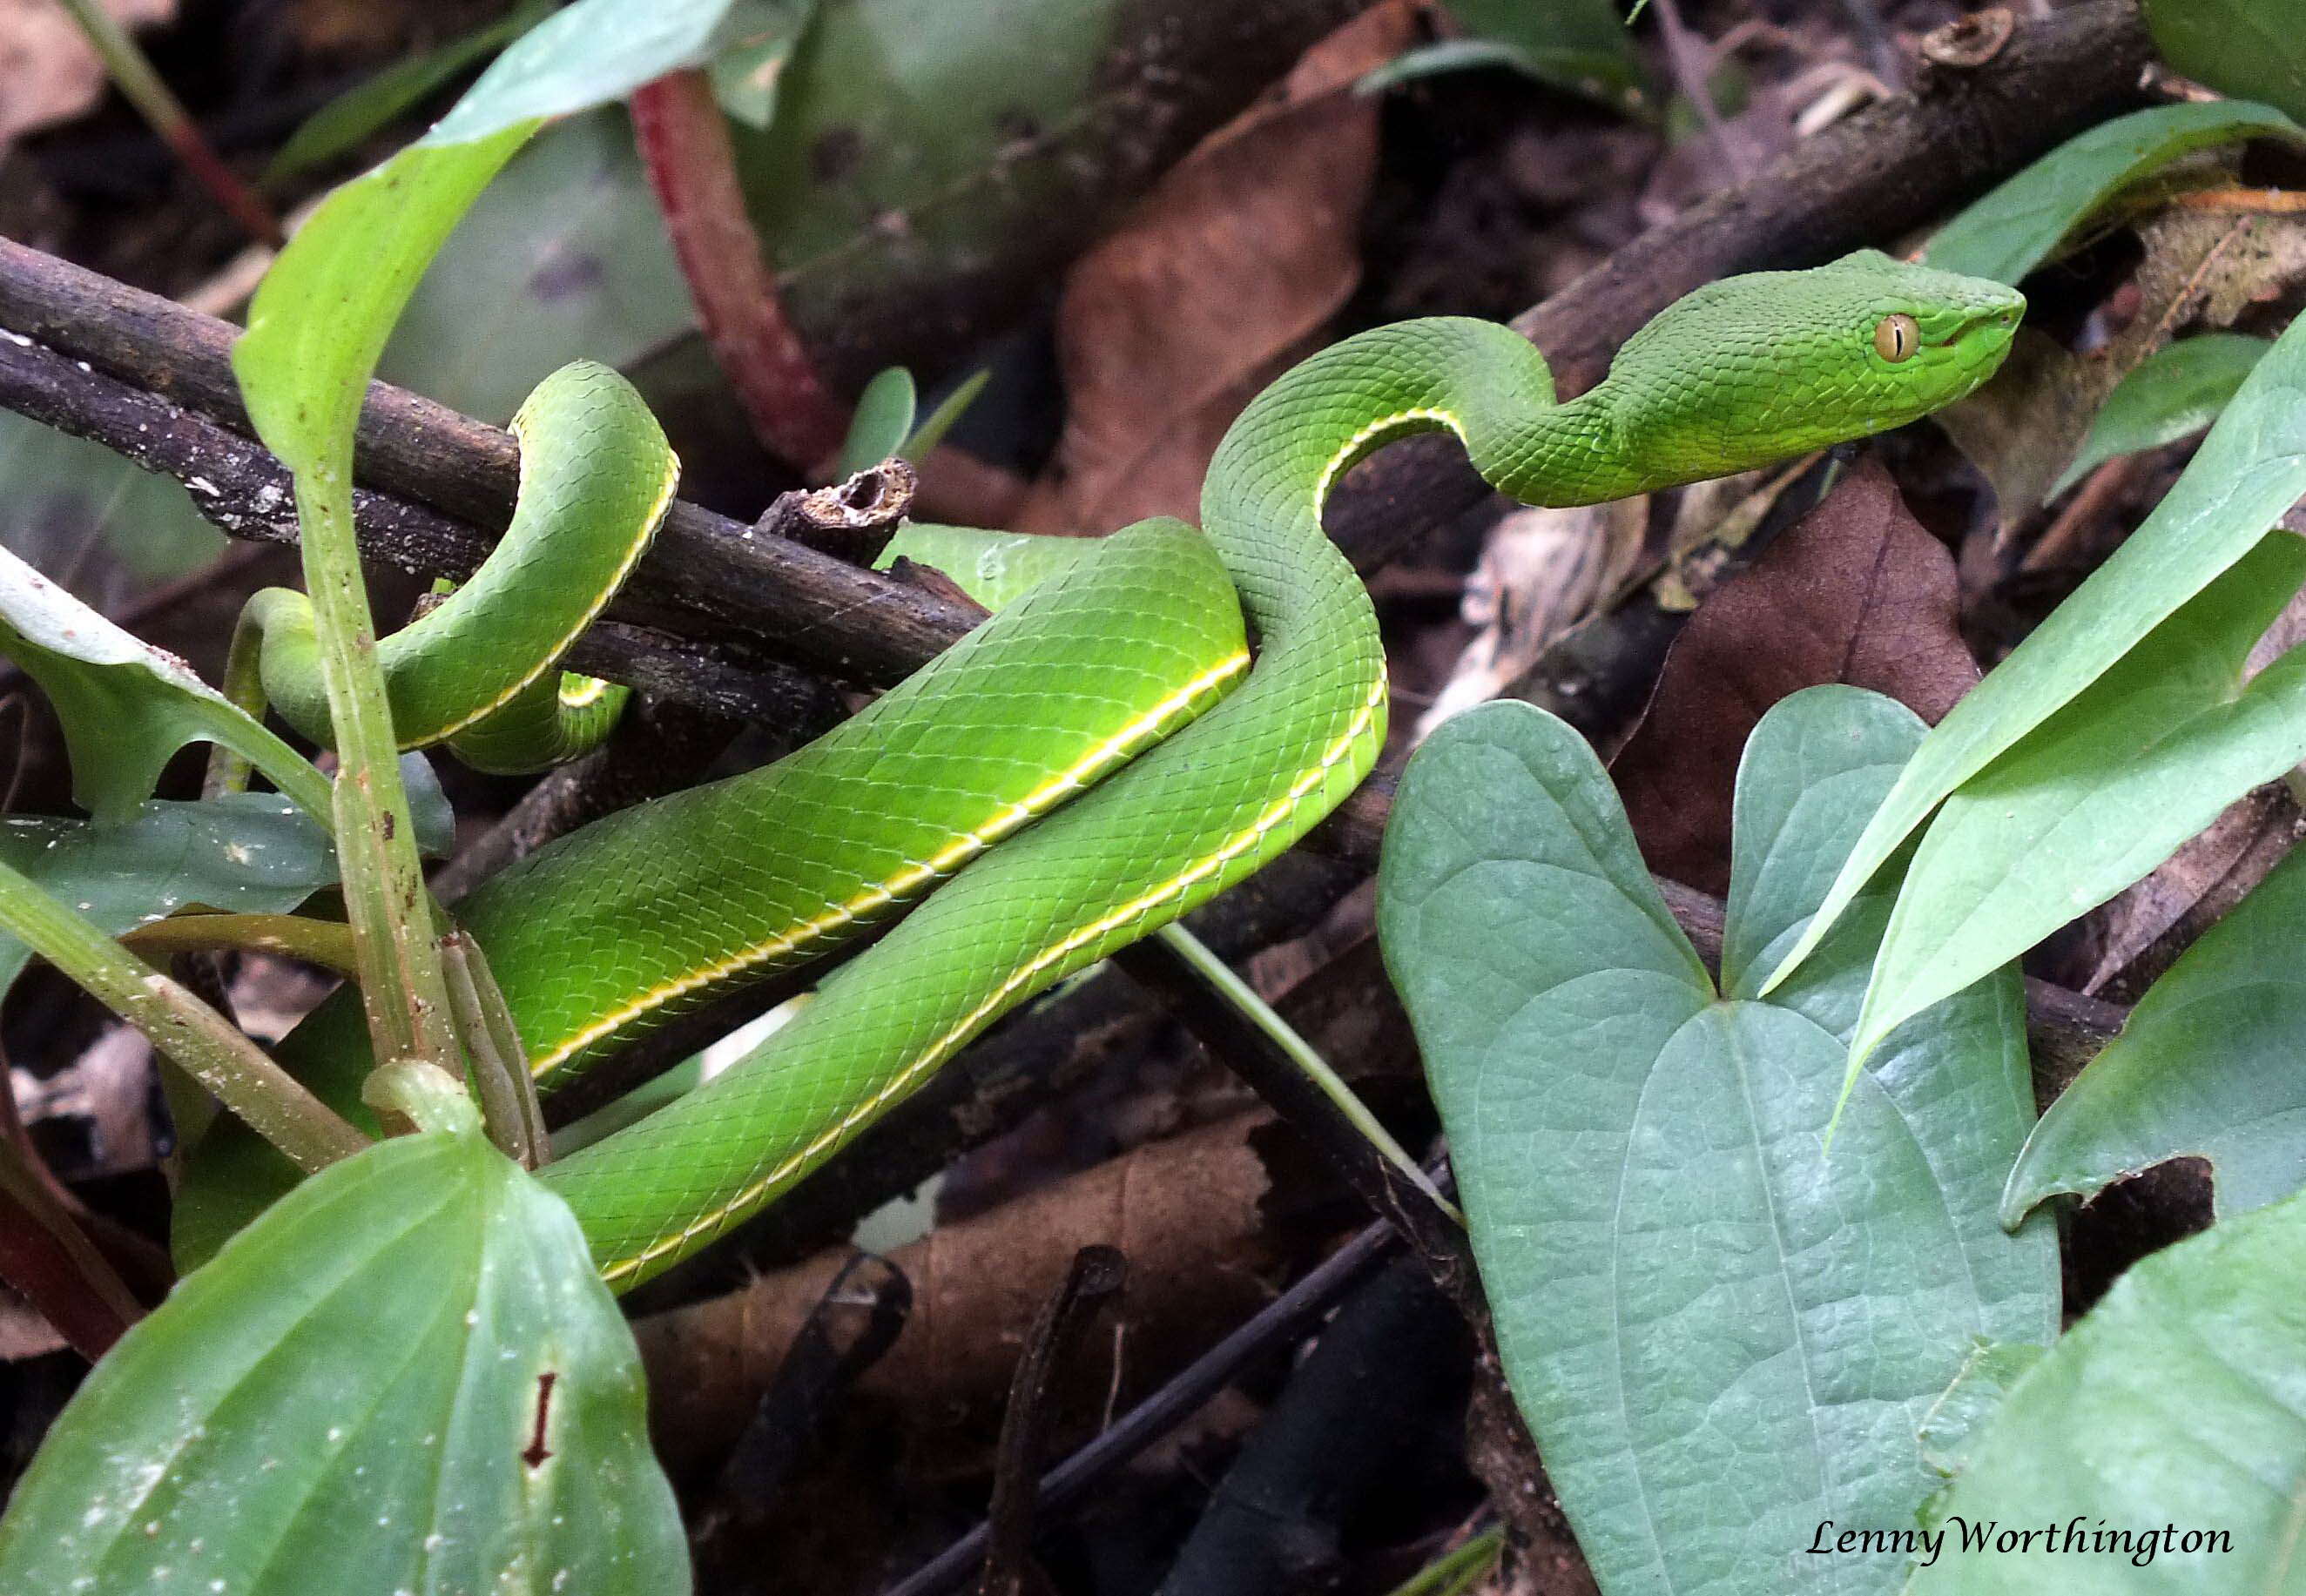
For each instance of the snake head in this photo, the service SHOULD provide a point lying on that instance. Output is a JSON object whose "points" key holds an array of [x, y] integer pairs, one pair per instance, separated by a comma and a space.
{"points": [[1759, 368]]}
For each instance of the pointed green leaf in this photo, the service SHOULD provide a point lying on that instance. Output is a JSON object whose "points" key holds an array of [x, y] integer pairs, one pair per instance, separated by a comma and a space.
{"points": [[126, 707], [2249, 471], [2017, 225], [756, 39], [367, 108], [1720, 1336], [883, 417], [2101, 792], [2176, 1411], [246, 853], [2206, 1067], [1579, 46], [583, 56], [2250, 49], [405, 1378], [253, 853], [2176, 391]]}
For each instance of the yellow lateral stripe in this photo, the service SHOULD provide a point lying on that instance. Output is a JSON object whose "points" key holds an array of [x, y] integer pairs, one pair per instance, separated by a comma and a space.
{"points": [[663, 501], [1354, 445], [589, 691], [936, 1052], [1092, 766]]}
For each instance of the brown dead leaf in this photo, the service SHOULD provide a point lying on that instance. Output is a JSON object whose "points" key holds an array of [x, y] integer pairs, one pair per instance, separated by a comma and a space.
{"points": [[1204, 293], [1856, 592], [48, 71], [1186, 1212]]}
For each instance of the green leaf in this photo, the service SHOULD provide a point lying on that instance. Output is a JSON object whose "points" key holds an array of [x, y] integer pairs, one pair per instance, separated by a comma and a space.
{"points": [[252, 853], [64, 494], [563, 256], [2020, 224], [365, 110], [756, 39], [584, 56], [126, 707], [2176, 1406], [2250, 49], [883, 417], [1977, 1392], [1720, 1336], [1604, 77], [2248, 470], [2100, 792], [931, 429], [245, 853], [2207, 1068], [2177, 391], [405, 1377]]}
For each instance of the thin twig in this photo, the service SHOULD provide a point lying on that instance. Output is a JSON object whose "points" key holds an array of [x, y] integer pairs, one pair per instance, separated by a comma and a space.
{"points": [[1285, 1320], [274, 1103], [1095, 1276]]}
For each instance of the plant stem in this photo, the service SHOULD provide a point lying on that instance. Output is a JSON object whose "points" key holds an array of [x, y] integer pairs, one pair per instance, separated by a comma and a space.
{"points": [[401, 987], [1458, 1570], [507, 1091], [1242, 995], [328, 944], [132, 73], [243, 686], [692, 167], [195, 1037]]}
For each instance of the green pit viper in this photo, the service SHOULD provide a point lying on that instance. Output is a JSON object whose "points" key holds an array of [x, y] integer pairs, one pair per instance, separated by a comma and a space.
{"points": [[1116, 652]]}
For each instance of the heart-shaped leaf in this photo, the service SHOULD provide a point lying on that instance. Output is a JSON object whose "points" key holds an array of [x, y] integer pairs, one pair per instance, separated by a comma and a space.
{"points": [[1720, 1335], [405, 1377], [2159, 1448]]}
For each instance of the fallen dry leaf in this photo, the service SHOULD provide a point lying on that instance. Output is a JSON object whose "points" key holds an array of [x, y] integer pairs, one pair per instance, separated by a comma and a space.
{"points": [[1856, 592], [1185, 1212], [1540, 571], [1206, 289], [47, 73]]}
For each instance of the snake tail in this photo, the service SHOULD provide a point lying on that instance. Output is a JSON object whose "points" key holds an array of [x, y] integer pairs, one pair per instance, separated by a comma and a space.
{"points": [[479, 671]]}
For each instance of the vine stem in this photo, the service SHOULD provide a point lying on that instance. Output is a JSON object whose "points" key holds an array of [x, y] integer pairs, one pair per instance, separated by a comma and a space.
{"points": [[402, 985], [1220, 977], [692, 167], [195, 1037]]}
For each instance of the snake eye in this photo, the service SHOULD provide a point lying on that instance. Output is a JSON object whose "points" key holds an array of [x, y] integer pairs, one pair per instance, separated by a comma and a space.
{"points": [[1896, 337]]}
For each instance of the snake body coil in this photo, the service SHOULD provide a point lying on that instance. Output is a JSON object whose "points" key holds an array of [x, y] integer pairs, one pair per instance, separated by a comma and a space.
{"points": [[608, 931]]}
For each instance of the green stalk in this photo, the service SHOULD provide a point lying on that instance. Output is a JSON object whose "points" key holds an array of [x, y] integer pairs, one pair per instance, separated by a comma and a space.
{"points": [[1242, 995], [1456, 1571], [507, 1091], [186, 1031], [132, 73], [401, 987], [243, 686]]}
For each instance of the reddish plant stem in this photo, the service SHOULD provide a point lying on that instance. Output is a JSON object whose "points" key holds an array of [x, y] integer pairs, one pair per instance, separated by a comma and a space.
{"points": [[692, 167]]}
